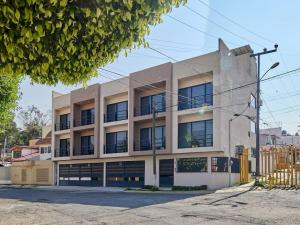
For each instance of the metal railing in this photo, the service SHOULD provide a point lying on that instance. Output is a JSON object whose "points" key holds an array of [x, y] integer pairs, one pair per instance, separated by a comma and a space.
{"points": [[83, 122], [115, 148], [201, 141], [116, 116], [62, 126], [59, 152], [195, 102], [84, 150], [146, 144]]}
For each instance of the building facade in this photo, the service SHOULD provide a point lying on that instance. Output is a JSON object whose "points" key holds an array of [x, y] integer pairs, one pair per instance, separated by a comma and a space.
{"points": [[102, 135], [276, 137]]}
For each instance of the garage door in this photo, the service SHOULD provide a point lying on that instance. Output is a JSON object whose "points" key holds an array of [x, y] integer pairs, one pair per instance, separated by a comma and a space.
{"points": [[166, 172], [83, 174], [125, 174]]}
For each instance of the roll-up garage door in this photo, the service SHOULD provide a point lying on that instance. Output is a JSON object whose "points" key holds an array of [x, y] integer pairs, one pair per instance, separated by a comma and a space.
{"points": [[83, 174], [125, 174]]}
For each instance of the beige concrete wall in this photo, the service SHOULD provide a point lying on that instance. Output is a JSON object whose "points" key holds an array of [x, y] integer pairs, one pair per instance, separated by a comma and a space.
{"points": [[5, 175], [159, 75], [222, 67], [32, 172], [81, 99]]}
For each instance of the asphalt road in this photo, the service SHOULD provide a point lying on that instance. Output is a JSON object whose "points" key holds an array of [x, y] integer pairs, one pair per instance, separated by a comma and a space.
{"points": [[35, 206]]}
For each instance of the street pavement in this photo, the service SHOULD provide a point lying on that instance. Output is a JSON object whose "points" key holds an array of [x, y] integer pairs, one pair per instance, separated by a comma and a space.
{"points": [[76, 206]]}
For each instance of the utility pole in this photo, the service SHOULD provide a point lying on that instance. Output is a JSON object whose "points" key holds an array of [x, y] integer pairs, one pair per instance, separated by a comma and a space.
{"points": [[258, 54], [153, 142], [3, 151]]}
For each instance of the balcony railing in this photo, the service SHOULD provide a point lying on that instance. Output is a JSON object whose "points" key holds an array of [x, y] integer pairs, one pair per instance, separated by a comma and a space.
{"points": [[78, 123], [60, 152], [195, 102], [62, 126], [116, 116], [195, 142], [113, 148], [146, 145], [84, 150]]}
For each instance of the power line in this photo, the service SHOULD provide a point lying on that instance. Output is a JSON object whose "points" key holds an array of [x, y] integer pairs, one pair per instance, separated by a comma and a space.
{"points": [[199, 30], [234, 22], [222, 27]]}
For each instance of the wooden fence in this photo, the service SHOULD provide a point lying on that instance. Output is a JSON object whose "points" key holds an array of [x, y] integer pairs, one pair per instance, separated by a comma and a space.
{"points": [[280, 167]]}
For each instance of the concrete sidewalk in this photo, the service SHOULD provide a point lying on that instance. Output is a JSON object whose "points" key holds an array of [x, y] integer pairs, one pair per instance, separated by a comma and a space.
{"points": [[238, 188]]}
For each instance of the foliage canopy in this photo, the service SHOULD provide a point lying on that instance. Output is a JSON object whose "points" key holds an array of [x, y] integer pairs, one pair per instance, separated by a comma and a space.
{"points": [[67, 40]]}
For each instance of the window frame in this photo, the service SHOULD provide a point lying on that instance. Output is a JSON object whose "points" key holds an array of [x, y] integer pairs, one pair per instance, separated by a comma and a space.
{"points": [[184, 101], [116, 116], [163, 138], [191, 127], [215, 164], [90, 144], [87, 116], [149, 104], [115, 144]]}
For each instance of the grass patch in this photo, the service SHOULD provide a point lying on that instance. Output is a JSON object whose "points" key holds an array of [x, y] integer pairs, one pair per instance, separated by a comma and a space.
{"points": [[189, 188]]}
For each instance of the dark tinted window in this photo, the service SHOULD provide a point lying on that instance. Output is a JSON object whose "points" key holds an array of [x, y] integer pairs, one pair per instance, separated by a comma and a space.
{"points": [[148, 102], [87, 145], [87, 116], [117, 111], [195, 134], [116, 142], [219, 164], [146, 138], [195, 96]]}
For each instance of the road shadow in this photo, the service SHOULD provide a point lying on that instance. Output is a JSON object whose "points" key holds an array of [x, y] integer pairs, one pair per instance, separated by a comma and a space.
{"points": [[111, 199]]}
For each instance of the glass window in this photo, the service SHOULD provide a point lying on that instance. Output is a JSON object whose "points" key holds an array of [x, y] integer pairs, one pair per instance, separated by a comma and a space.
{"points": [[87, 116], [64, 121], [195, 134], [87, 145], [146, 138], [122, 111], [252, 101], [219, 164], [148, 102], [64, 147], [188, 165], [235, 165], [110, 112], [184, 96], [116, 142], [117, 111], [198, 134], [196, 96], [184, 135]]}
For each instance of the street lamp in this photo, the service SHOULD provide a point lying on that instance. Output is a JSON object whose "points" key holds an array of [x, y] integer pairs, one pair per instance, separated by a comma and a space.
{"points": [[236, 115], [272, 67]]}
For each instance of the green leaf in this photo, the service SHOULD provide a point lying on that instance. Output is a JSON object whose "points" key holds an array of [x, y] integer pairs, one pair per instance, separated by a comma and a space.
{"points": [[17, 14], [63, 3], [98, 13]]}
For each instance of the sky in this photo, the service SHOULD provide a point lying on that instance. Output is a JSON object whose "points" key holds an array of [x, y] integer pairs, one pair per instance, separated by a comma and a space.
{"points": [[274, 21]]}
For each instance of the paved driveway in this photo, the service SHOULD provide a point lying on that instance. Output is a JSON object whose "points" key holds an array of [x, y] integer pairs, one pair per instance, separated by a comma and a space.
{"points": [[35, 206]]}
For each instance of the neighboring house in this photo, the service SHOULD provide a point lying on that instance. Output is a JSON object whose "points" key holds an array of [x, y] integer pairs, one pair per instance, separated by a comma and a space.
{"points": [[274, 137], [38, 149], [101, 135]]}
